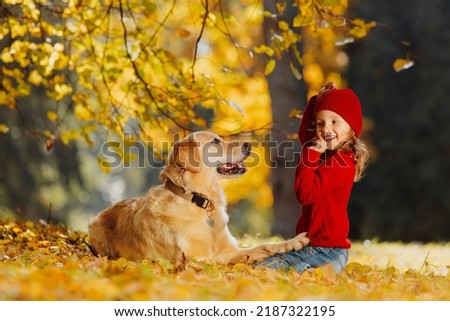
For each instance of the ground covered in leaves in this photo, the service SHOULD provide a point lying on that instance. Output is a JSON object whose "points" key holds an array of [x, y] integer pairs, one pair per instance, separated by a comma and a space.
{"points": [[47, 262]]}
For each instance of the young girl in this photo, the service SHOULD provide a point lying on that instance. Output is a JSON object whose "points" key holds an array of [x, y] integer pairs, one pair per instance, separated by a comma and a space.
{"points": [[332, 158]]}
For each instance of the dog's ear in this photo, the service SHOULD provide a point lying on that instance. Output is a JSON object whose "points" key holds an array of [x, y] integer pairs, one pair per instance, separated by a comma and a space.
{"points": [[186, 155]]}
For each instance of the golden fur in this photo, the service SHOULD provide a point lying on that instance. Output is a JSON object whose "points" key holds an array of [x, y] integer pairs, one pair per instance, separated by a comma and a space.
{"points": [[163, 225]]}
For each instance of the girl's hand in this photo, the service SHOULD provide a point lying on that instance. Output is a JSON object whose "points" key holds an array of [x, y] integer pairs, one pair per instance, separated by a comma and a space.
{"points": [[319, 145], [329, 86]]}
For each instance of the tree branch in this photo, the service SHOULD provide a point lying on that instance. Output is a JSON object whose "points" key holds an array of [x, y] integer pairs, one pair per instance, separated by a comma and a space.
{"points": [[138, 75], [205, 17], [228, 34]]}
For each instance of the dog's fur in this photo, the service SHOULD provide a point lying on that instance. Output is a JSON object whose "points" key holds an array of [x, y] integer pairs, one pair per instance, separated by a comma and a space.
{"points": [[164, 225]]}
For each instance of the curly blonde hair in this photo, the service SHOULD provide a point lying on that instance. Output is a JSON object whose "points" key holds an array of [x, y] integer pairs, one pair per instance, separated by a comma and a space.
{"points": [[361, 153]]}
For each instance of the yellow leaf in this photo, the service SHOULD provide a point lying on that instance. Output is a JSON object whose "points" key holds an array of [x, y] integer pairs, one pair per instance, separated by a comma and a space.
{"points": [[47, 134], [201, 122], [212, 18], [297, 55], [264, 49], [61, 62], [283, 25], [335, 3], [60, 91], [35, 78], [19, 30], [59, 47], [361, 28], [6, 56], [7, 99], [241, 267], [270, 66], [82, 113], [281, 6], [104, 165], [66, 137], [307, 16], [4, 129], [295, 113], [24, 89], [52, 116], [87, 138], [402, 64], [297, 74]]}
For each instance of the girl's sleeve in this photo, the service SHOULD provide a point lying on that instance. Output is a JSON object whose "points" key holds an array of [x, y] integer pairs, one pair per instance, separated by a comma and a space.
{"points": [[312, 180], [306, 128]]}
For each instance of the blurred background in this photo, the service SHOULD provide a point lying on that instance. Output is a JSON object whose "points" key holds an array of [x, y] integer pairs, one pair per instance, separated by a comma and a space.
{"points": [[51, 166]]}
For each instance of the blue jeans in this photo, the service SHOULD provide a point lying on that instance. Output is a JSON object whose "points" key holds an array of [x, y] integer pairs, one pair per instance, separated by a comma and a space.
{"points": [[306, 258]]}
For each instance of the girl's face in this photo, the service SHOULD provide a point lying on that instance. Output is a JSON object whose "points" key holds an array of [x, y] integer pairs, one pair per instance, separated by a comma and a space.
{"points": [[332, 128]]}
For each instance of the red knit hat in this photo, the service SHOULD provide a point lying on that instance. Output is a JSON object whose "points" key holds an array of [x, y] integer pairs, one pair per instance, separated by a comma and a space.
{"points": [[345, 103]]}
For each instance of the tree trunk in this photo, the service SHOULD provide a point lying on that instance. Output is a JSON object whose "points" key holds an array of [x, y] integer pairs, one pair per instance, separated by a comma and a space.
{"points": [[286, 93]]}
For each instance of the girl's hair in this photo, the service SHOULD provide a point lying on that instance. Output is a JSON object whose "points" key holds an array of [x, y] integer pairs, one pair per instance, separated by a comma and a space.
{"points": [[361, 153]]}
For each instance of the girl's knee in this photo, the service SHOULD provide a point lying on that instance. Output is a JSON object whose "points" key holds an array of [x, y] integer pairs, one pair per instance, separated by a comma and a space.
{"points": [[340, 264], [282, 262]]}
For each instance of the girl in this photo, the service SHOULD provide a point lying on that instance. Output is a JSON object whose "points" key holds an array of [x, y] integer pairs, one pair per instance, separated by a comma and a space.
{"points": [[332, 158]]}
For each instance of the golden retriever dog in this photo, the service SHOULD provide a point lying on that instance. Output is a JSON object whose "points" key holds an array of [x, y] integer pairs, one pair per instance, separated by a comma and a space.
{"points": [[185, 217]]}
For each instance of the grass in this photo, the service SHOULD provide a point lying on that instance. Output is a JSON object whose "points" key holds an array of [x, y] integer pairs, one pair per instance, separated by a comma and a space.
{"points": [[45, 262]]}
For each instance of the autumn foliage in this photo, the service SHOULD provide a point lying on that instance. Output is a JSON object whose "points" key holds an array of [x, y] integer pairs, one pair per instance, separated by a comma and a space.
{"points": [[139, 66], [143, 71], [47, 262]]}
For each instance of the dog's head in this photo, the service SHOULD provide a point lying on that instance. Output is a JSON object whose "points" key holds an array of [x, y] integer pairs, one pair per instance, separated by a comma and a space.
{"points": [[207, 155]]}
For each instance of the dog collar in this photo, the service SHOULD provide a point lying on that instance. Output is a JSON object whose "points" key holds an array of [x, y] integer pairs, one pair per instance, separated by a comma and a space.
{"points": [[198, 199]]}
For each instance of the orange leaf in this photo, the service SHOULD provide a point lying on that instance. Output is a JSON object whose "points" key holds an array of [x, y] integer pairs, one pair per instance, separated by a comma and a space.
{"points": [[183, 33], [402, 64]]}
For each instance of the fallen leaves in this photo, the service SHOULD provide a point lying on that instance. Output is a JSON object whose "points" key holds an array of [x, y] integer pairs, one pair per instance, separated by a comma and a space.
{"points": [[47, 262]]}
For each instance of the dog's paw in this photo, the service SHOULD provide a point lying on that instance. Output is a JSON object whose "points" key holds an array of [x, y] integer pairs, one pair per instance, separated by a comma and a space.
{"points": [[299, 242]]}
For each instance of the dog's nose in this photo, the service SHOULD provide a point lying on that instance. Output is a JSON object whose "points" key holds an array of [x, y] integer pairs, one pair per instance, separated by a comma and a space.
{"points": [[246, 148]]}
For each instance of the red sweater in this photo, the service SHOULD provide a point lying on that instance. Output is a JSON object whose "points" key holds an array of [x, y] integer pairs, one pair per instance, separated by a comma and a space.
{"points": [[323, 189]]}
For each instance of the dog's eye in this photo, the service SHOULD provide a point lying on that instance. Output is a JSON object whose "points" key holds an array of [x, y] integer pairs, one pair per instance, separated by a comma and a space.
{"points": [[215, 141]]}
